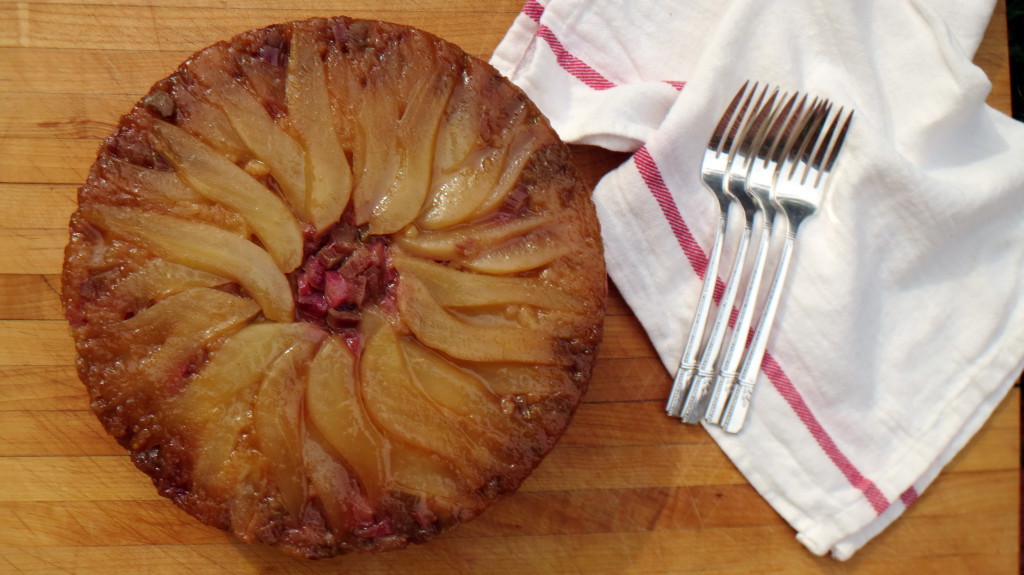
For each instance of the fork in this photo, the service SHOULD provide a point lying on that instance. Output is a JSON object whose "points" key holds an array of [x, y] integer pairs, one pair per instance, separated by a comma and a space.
{"points": [[714, 169], [798, 191]]}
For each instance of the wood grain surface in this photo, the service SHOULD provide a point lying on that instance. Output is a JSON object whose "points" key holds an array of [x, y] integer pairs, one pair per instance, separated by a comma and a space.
{"points": [[626, 491]]}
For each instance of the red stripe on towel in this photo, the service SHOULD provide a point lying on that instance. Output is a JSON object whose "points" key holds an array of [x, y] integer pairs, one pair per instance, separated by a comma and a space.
{"points": [[909, 497], [573, 65], [651, 175], [796, 401], [533, 10]]}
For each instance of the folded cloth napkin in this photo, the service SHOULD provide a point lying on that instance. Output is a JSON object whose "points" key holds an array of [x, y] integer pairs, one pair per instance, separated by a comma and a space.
{"points": [[902, 325]]}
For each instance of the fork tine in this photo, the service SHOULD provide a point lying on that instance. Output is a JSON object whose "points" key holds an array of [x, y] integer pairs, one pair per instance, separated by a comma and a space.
{"points": [[738, 125], [781, 124], [836, 147], [755, 129], [726, 119], [808, 141]]}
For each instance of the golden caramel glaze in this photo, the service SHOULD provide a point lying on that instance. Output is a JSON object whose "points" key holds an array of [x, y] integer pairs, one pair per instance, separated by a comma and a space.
{"points": [[336, 285]]}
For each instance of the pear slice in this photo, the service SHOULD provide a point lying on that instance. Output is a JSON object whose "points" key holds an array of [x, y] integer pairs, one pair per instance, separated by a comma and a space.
{"points": [[197, 116], [338, 492], [526, 254], [505, 379], [147, 182], [186, 314], [459, 130], [455, 197], [453, 288], [278, 424], [368, 103], [218, 401], [398, 406], [460, 392], [261, 134], [441, 330], [220, 180], [158, 345], [467, 241], [197, 317], [161, 278], [334, 407], [203, 247], [377, 166], [417, 129], [523, 146], [329, 176], [429, 476]]}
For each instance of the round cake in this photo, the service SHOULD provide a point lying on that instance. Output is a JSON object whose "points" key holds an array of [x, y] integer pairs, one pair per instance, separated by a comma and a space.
{"points": [[335, 285]]}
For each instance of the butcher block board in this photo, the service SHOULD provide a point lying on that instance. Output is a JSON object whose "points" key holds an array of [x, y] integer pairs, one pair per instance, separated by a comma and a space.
{"points": [[626, 491]]}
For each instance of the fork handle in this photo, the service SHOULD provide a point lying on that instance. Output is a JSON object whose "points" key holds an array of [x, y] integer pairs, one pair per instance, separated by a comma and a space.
{"points": [[723, 384], [688, 363], [739, 400], [697, 398]]}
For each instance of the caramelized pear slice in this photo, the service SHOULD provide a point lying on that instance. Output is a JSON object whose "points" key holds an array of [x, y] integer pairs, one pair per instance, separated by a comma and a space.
{"points": [[217, 403], [455, 197], [186, 314], [161, 278], [336, 489], [329, 176], [505, 379], [159, 344], [526, 142], [278, 424], [427, 475], [200, 315], [147, 182], [369, 102], [453, 288], [197, 116], [261, 134], [526, 254], [220, 180], [459, 130], [439, 329], [460, 392], [467, 241], [398, 406], [203, 247], [334, 407], [416, 132]]}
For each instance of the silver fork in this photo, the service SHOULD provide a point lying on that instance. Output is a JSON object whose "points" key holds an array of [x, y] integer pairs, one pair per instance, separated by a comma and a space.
{"points": [[714, 169], [760, 179], [799, 189], [750, 134]]}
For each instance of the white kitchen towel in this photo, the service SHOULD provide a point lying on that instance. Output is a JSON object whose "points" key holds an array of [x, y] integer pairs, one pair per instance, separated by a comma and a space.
{"points": [[902, 326]]}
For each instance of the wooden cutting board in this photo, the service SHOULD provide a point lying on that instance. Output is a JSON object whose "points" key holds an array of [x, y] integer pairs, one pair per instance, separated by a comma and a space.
{"points": [[626, 491]]}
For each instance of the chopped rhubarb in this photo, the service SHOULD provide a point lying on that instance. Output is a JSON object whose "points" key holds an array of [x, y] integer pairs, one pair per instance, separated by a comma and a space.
{"points": [[337, 288], [315, 269], [314, 304], [302, 285], [360, 259]]}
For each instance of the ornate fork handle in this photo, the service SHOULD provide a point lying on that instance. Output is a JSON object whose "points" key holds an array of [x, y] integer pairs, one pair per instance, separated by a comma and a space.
{"points": [[688, 363], [733, 359], [742, 393]]}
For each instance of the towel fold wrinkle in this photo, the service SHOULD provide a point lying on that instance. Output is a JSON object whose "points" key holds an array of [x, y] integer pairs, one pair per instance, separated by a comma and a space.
{"points": [[902, 326]]}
